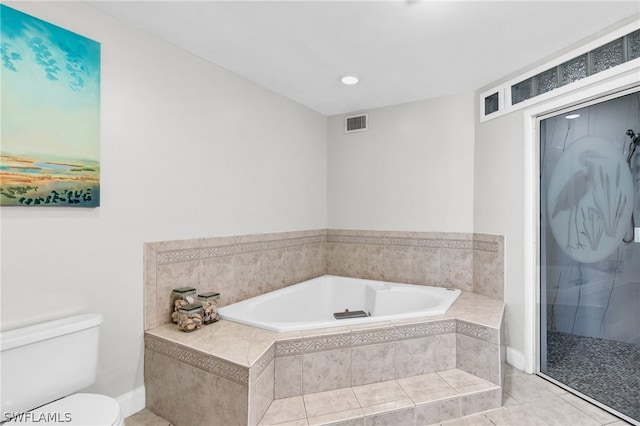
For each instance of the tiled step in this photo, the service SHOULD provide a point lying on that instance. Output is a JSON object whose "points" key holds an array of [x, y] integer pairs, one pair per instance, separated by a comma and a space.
{"points": [[418, 400]]}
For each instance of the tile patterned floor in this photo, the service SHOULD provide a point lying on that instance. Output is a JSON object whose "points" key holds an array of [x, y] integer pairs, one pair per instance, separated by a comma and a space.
{"points": [[390, 402], [527, 400], [606, 370]]}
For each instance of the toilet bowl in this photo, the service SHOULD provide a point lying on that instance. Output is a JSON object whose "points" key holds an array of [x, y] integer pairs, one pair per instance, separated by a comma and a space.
{"points": [[44, 366], [80, 409]]}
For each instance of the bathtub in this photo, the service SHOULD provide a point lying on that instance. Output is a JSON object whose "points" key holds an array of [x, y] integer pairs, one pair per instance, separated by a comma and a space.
{"points": [[312, 304]]}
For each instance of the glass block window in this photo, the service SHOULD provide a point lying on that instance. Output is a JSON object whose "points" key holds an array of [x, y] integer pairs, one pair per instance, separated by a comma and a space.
{"points": [[545, 81], [491, 104], [597, 60], [606, 56], [521, 91], [633, 45], [573, 70]]}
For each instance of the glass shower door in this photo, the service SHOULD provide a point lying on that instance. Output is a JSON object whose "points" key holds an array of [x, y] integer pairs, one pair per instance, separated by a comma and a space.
{"points": [[590, 251]]}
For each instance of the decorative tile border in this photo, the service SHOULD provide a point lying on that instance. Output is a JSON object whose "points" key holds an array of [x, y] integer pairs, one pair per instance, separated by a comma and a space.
{"points": [[370, 337], [480, 332], [400, 241], [445, 327], [413, 331], [289, 347], [188, 255], [280, 244], [430, 243], [473, 243], [356, 338], [488, 246], [206, 362], [355, 239], [325, 343], [262, 363]]}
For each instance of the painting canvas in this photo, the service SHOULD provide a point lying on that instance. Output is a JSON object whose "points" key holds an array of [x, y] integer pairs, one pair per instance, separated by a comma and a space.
{"points": [[50, 121]]}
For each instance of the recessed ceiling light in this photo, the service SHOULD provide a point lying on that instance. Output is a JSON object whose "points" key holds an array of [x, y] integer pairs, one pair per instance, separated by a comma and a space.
{"points": [[349, 80], [572, 116]]}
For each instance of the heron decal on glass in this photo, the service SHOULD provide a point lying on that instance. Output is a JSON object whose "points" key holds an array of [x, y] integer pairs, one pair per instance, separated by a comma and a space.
{"points": [[588, 197], [570, 196]]}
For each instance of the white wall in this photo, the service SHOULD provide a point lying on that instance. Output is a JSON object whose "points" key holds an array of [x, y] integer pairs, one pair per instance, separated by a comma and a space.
{"points": [[411, 171], [499, 207], [187, 150]]}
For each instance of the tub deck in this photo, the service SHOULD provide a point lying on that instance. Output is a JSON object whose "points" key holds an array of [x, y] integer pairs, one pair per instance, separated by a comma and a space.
{"points": [[229, 373]]}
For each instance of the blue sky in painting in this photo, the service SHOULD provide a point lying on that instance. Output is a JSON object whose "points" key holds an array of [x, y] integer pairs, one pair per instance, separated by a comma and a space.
{"points": [[50, 80]]}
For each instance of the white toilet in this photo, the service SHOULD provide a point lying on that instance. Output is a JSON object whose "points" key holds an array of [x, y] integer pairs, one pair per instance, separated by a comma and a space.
{"points": [[44, 364]]}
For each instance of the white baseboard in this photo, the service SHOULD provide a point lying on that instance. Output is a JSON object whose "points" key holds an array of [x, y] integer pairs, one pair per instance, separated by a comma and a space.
{"points": [[515, 358], [132, 402]]}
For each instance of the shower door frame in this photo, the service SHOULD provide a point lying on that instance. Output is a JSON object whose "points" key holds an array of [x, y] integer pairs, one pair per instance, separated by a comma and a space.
{"points": [[608, 89]]}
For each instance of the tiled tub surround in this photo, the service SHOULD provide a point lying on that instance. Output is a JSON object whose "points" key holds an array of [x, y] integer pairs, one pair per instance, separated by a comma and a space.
{"points": [[418, 371], [230, 374], [240, 267]]}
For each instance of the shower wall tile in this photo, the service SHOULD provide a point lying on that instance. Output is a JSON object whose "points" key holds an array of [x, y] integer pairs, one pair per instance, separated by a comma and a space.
{"points": [[261, 394], [259, 364], [445, 351], [272, 269], [399, 265], [193, 387], [288, 376], [326, 370], [239, 267], [216, 274], [160, 381], [472, 356], [150, 287], [372, 363], [227, 404], [441, 259], [496, 364], [244, 266], [456, 268], [355, 260], [172, 385], [412, 265], [415, 357], [168, 277], [303, 262], [246, 276], [488, 265]]}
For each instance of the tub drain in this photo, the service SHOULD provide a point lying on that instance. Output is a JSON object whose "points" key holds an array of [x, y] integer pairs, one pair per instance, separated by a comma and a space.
{"points": [[350, 314]]}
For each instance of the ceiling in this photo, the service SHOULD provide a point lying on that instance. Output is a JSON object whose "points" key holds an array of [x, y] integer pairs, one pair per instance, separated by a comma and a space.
{"points": [[402, 51]]}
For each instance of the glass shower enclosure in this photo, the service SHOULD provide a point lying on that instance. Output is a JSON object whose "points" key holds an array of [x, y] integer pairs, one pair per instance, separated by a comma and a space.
{"points": [[590, 251]]}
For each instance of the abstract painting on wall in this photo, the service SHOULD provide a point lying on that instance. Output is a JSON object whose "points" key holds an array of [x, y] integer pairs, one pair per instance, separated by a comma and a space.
{"points": [[50, 121]]}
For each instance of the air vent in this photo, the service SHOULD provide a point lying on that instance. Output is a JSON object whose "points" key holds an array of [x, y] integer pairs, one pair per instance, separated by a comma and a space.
{"points": [[356, 123]]}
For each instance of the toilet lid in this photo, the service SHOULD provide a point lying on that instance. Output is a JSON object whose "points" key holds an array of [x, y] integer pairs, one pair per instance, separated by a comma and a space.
{"points": [[84, 409]]}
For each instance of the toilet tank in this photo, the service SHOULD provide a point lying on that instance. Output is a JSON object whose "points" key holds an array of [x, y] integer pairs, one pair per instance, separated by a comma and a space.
{"points": [[44, 362]]}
